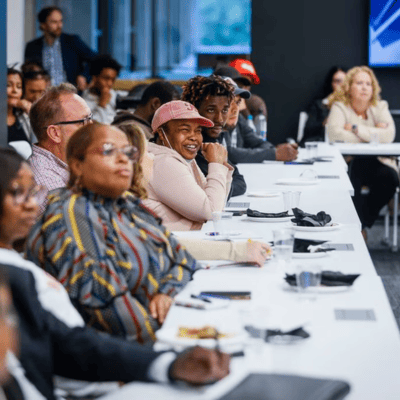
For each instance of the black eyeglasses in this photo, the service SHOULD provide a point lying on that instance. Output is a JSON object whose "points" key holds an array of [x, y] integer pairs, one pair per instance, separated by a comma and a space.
{"points": [[83, 121]]}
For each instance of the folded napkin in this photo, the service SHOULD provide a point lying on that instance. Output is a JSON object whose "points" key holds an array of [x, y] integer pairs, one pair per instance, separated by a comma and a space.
{"points": [[304, 219], [271, 334], [259, 214], [328, 278], [309, 246]]}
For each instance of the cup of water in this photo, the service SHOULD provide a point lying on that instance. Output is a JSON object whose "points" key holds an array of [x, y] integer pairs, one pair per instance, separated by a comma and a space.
{"points": [[219, 226], [374, 138], [283, 245], [308, 280], [312, 150], [291, 200]]}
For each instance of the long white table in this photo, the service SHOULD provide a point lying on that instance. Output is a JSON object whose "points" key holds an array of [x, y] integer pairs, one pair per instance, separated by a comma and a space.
{"points": [[380, 149], [362, 149], [366, 354]]}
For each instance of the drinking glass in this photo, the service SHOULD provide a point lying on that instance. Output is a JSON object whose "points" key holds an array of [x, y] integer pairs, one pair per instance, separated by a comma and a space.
{"points": [[290, 200], [312, 150], [283, 245], [374, 138], [308, 280], [219, 226]]}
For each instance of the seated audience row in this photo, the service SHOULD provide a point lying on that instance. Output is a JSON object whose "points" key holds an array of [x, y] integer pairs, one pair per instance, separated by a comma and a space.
{"points": [[52, 336]]}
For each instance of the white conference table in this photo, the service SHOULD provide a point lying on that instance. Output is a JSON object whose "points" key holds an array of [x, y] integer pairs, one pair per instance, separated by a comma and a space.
{"points": [[261, 177], [366, 354], [363, 149]]}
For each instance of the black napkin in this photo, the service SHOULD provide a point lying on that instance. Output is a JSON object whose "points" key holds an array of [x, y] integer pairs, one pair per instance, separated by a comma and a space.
{"points": [[301, 245], [259, 214], [304, 219], [328, 278], [254, 332]]}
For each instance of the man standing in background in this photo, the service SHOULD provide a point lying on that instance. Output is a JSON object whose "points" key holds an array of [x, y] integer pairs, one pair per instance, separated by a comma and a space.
{"points": [[62, 55]]}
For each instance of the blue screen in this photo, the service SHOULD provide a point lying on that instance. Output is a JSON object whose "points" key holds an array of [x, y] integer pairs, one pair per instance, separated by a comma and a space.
{"points": [[384, 33], [223, 26]]}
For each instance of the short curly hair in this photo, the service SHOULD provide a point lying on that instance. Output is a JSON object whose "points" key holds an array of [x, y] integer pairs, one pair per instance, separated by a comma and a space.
{"points": [[343, 94], [199, 88]]}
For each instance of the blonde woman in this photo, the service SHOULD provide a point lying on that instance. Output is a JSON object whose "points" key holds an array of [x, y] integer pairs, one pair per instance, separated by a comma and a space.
{"points": [[359, 115]]}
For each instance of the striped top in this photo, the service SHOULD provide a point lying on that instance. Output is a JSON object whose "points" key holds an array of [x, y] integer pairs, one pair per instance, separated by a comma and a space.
{"points": [[112, 256]]}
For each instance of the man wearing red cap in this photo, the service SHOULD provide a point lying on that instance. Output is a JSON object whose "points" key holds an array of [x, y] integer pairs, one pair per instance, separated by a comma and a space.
{"points": [[246, 68]]}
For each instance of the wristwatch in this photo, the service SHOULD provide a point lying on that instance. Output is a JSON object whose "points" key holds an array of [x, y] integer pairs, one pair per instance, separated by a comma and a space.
{"points": [[354, 129]]}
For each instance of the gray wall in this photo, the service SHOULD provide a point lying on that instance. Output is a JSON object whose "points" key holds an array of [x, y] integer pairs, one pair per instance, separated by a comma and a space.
{"points": [[3, 74], [295, 43]]}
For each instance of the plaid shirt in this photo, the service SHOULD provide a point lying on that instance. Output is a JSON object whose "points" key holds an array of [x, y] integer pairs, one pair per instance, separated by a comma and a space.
{"points": [[52, 62], [49, 171]]}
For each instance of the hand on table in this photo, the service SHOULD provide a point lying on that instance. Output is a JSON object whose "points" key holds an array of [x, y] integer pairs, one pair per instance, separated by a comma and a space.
{"points": [[199, 366], [215, 152], [348, 127], [286, 152], [258, 252], [159, 306]]}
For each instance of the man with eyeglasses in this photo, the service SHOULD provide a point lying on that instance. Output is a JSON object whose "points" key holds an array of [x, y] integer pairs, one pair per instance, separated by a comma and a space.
{"points": [[54, 118]]}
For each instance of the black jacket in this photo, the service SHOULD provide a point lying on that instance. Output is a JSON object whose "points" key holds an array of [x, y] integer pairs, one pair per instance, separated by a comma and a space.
{"points": [[238, 186], [49, 347], [75, 53], [250, 147]]}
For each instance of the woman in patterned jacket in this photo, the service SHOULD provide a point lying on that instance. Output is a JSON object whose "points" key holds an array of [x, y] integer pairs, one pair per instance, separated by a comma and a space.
{"points": [[120, 266]]}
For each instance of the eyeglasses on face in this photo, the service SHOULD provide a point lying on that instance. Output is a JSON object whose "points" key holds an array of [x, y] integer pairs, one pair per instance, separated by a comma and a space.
{"points": [[21, 196], [109, 150], [83, 121]]}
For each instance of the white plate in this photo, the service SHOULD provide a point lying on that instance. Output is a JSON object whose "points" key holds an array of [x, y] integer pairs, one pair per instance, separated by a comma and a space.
{"points": [[329, 228], [169, 335], [281, 219], [310, 255], [263, 194], [297, 182]]}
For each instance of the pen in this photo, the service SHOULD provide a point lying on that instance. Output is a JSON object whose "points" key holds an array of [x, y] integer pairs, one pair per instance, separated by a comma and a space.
{"points": [[193, 296], [190, 305]]}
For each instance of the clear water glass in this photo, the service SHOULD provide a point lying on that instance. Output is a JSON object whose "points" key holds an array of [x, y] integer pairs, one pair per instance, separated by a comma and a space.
{"points": [[291, 200], [312, 150], [283, 245], [219, 226]]}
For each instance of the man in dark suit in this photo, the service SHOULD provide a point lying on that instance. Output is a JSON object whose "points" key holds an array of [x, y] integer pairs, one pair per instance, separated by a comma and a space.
{"points": [[62, 55]]}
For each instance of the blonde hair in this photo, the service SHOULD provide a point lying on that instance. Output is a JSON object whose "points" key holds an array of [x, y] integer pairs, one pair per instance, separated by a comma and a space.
{"points": [[343, 93], [137, 138]]}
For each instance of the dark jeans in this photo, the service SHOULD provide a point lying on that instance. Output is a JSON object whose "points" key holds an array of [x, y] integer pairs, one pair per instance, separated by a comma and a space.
{"points": [[381, 181]]}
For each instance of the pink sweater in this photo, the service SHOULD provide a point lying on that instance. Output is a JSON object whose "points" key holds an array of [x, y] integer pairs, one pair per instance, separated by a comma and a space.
{"points": [[180, 194]]}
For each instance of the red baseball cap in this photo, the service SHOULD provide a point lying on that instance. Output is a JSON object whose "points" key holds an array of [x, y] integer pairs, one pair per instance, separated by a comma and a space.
{"points": [[178, 109], [246, 68]]}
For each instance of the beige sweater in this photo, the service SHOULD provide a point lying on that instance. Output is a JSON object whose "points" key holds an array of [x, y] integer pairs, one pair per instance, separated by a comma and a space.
{"points": [[215, 250], [180, 194], [341, 114]]}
